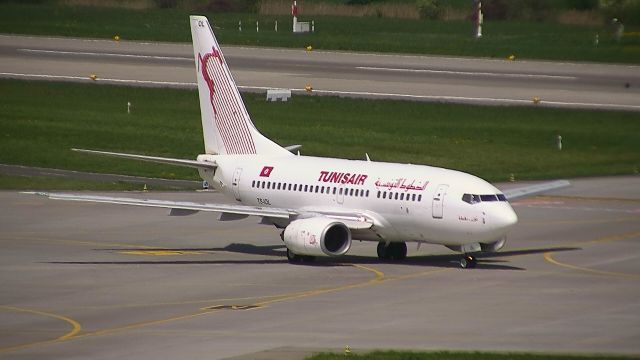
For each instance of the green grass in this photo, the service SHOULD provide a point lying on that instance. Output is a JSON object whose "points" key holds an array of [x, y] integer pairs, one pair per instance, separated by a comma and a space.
{"points": [[41, 121], [406, 355], [48, 183], [524, 39]]}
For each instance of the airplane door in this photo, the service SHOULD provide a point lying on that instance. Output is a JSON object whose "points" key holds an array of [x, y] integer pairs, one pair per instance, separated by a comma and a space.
{"points": [[235, 183], [438, 201]]}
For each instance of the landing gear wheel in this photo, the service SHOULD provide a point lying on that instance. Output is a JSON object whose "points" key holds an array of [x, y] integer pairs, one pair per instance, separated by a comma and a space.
{"points": [[383, 250], [393, 251], [399, 251], [468, 262]]}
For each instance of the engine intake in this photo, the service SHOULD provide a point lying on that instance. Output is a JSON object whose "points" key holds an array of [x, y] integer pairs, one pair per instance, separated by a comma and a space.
{"points": [[317, 236]]}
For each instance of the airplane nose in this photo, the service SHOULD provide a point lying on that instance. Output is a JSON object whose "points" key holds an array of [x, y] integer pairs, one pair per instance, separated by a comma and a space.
{"points": [[506, 218]]}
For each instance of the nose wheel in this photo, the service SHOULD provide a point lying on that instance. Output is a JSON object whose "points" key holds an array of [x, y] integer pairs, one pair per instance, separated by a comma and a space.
{"points": [[468, 262]]}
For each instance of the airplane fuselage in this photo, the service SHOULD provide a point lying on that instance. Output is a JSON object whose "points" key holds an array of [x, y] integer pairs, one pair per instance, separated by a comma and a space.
{"points": [[404, 202]]}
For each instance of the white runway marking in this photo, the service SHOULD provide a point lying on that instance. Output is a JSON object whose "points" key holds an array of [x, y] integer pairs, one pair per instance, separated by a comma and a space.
{"points": [[477, 73], [363, 94], [479, 100], [98, 54]]}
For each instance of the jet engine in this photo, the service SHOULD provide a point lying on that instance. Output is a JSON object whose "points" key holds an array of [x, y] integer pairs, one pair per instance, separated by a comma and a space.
{"points": [[318, 236]]}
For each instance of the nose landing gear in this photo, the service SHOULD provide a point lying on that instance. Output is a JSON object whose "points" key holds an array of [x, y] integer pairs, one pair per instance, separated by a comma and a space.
{"points": [[468, 262]]}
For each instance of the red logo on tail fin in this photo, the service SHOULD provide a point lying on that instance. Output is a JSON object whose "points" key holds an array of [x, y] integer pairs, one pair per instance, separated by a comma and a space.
{"points": [[229, 115], [205, 74]]}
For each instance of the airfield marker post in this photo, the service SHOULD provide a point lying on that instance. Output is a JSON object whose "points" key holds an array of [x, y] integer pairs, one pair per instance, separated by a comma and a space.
{"points": [[479, 20]]}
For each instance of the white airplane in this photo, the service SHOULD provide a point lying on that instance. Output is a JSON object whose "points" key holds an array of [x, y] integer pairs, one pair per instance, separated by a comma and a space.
{"points": [[323, 204]]}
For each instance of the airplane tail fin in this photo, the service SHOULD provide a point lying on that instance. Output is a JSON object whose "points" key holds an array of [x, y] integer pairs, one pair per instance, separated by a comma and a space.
{"points": [[226, 124]]}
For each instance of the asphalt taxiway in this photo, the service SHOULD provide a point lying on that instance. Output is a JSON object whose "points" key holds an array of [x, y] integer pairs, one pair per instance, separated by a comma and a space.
{"points": [[422, 78], [82, 280]]}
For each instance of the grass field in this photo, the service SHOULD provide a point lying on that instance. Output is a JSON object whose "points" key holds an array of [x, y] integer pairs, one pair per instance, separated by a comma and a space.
{"points": [[406, 355], [51, 183], [503, 38], [41, 121]]}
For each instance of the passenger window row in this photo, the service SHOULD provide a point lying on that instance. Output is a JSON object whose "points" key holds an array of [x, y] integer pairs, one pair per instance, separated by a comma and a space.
{"points": [[319, 189], [474, 199], [399, 196]]}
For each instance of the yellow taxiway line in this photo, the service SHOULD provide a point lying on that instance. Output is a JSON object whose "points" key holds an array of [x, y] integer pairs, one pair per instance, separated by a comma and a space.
{"points": [[75, 327]]}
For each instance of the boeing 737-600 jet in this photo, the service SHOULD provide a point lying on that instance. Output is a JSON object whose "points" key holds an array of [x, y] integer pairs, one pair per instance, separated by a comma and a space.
{"points": [[323, 204]]}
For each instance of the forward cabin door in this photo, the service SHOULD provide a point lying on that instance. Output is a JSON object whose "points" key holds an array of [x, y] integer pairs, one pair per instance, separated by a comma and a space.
{"points": [[235, 183], [438, 201]]}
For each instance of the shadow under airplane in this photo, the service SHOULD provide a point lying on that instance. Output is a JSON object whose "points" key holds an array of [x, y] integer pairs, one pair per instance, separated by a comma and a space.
{"points": [[486, 261]]}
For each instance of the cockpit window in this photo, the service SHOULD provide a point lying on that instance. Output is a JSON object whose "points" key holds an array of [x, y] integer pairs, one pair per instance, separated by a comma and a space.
{"points": [[470, 198], [474, 199], [488, 198]]}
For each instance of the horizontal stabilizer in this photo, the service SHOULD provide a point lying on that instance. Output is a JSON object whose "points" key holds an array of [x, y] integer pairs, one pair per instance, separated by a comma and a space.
{"points": [[178, 162]]}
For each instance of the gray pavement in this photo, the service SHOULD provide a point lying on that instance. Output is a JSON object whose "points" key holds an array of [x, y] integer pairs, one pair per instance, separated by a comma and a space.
{"points": [[82, 280], [425, 78]]}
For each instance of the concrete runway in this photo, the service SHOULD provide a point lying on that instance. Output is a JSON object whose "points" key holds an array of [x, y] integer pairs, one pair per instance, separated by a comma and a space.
{"points": [[101, 281], [426, 78]]}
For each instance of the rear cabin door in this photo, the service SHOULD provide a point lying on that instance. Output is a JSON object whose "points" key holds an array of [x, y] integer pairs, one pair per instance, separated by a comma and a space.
{"points": [[438, 201], [235, 183]]}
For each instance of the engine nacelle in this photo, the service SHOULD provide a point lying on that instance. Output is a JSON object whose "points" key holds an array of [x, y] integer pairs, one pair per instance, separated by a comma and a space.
{"points": [[317, 236]]}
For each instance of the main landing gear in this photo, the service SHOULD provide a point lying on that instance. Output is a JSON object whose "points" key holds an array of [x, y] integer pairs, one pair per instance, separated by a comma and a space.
{"points": [[468, 262], [392, 251]]}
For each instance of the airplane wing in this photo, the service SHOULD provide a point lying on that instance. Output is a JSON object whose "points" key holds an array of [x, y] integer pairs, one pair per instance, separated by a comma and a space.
{"points": [[179, 162], [186, 207], [354, 221], [526, 191]]}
